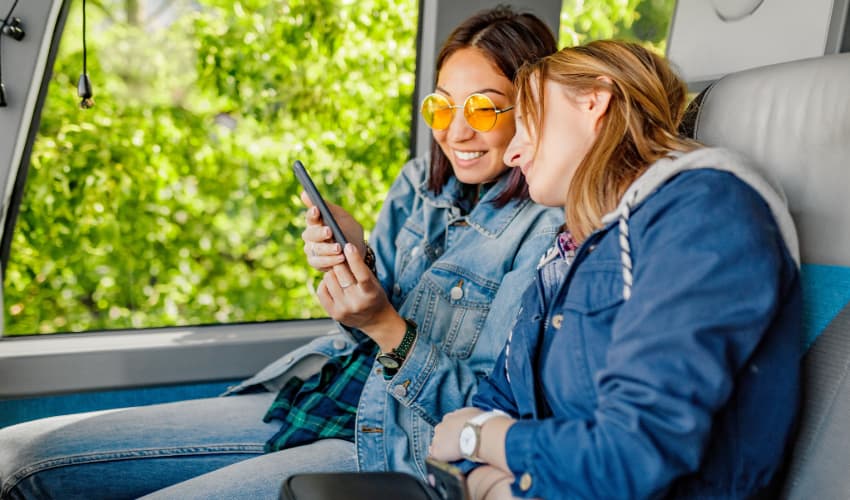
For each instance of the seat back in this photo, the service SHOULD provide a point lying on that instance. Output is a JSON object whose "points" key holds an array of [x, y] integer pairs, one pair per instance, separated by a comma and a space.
{"points": [[793, 120]]}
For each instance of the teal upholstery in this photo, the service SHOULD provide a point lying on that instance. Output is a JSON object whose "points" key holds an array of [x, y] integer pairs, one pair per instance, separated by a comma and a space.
{"points": [[826, 290]]}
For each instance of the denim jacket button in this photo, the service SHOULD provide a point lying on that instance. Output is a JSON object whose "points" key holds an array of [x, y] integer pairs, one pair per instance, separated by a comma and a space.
{"points": [[414, 251], [399, 391], [557, 320], [339, 344], [525, 482], [396, 289], [456, 293]]}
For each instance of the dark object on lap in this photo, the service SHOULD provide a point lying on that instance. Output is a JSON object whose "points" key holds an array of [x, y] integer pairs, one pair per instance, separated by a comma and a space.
{"points": [[355, 486]]}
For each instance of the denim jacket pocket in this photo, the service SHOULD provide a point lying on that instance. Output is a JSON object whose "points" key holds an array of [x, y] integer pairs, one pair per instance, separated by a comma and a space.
{"points": [[454, 305], [407, 238], [593, 299], [595, 286], [411, 260]]}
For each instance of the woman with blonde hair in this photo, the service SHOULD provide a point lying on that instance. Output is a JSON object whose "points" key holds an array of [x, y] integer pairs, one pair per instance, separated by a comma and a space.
{"points": [[657, 353]]}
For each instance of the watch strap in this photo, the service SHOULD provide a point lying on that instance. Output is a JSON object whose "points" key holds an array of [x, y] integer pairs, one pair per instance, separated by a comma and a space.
{"points": [[406, 343], [487, 415], [399, 354]]}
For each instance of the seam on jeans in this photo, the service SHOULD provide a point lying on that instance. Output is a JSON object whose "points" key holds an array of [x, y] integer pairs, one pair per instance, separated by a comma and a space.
{"points": [[119, 455]]}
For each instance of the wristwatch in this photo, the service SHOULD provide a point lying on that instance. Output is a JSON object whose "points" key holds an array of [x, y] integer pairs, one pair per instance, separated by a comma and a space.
{"points": [[470, 435], [392, 361]]}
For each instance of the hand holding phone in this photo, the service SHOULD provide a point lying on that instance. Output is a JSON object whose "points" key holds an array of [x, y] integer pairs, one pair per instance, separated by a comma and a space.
{"points": [[310, 188], [447, 480]]}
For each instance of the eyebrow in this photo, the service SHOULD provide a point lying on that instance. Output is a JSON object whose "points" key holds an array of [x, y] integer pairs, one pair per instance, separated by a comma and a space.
{"points": [[480, 91]]}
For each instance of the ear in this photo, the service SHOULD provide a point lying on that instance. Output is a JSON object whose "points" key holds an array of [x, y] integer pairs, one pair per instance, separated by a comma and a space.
{"points": [[598, 101]]}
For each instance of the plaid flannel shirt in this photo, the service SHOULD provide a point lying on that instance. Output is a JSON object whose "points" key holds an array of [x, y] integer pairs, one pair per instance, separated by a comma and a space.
{"points": [[325, 405]]}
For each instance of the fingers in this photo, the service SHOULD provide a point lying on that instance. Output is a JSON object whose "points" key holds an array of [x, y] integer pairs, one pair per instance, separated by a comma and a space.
{"points": [[320, 234], [322, 253], [306, 199], [356, 264], [323, 256], [315, 226], [314, 249], [344, 277], [324, 296], [334, 288], [353, 272]]}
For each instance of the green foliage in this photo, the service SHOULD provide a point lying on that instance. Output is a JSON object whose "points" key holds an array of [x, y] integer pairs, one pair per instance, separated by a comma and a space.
{"points": [[171, 202], [645, 21]]}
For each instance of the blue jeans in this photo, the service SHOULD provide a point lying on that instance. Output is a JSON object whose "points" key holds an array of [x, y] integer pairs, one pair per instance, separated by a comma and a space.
{"points": [[205, 448]]}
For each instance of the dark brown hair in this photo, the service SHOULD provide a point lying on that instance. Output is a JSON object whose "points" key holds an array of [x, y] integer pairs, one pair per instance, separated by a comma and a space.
{"points": [[510, 39], [640, 126]]}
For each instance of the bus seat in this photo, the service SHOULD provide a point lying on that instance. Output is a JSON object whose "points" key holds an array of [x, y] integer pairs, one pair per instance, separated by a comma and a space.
{"points": [[793, 120]]}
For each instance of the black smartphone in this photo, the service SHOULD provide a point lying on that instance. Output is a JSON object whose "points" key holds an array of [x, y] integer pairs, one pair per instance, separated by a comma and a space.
{"points": [[447, 480], [316, 198]]}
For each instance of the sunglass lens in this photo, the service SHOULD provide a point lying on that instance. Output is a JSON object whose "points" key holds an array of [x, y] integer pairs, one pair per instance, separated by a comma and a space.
{"points": [[480, 112], [437, 112]]}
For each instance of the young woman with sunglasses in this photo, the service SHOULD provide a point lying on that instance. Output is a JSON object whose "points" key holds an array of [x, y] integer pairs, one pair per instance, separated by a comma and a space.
{"points": [[657, 353], [456, 241]]}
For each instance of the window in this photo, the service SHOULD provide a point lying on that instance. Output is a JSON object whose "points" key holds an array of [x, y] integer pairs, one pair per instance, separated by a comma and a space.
{"points": [[171, 202], [645, 21]]}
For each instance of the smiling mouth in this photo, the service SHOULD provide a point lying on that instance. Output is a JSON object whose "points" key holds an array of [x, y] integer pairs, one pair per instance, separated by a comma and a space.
{"points": [[468, 155]]}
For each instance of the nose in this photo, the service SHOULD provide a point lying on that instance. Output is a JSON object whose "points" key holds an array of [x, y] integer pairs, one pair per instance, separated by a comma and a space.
{"points": [[459, 130], [513, 153]]}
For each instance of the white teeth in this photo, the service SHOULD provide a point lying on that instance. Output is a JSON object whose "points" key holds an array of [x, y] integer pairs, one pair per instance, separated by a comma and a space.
{"points": [[469, 155]]}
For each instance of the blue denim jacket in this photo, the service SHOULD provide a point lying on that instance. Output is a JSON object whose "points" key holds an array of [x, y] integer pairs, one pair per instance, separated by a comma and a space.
{"points": [[689, 387], [460, 278]]}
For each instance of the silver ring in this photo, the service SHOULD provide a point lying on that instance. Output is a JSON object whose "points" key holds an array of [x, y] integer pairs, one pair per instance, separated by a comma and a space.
{"points": [[313, 249], [345, 285]]}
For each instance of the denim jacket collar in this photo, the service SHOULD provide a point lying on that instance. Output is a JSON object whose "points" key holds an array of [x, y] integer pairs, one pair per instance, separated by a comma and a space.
{"points": [[485, 217]]}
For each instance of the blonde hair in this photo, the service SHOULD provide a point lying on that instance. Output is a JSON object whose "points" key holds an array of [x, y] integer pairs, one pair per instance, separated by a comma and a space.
{"points": [[640, 126]]}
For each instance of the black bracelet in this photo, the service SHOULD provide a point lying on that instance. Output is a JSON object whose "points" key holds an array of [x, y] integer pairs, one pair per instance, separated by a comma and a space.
{"points": [[370, 260]]}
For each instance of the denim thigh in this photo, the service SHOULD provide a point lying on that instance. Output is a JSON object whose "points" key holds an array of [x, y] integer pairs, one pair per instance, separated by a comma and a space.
{"points": [[262, 477], [129, 452]]}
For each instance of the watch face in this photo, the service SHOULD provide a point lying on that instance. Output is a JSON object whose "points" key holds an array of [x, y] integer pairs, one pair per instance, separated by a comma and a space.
{"points": [[388, 361], [467, 440]]}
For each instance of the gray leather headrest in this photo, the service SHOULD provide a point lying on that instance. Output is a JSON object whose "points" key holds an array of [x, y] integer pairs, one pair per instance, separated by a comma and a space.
{"points": [[793, 120]]}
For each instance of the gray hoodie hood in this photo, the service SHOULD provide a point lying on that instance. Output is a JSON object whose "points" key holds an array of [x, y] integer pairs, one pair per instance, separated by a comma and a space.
{"points": [[714, 158], [718, 159]]}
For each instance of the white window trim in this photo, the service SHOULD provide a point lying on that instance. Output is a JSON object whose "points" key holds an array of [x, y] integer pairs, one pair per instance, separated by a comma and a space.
{"points": [[61, 363]]}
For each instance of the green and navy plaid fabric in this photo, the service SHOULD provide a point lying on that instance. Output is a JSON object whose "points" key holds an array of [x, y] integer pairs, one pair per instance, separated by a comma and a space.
{"points": [[325, 405]]}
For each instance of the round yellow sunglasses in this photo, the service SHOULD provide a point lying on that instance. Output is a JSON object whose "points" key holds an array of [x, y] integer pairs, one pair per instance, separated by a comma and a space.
{"points": [[478, 109]]}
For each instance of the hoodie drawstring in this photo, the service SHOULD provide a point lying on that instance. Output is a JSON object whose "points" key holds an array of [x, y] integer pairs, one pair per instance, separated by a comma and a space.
{"points": [[625, 247]]}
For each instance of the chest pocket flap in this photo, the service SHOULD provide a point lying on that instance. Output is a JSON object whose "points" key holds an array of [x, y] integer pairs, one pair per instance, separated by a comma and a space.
{"points": [[454, 307], [596, 285]]}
